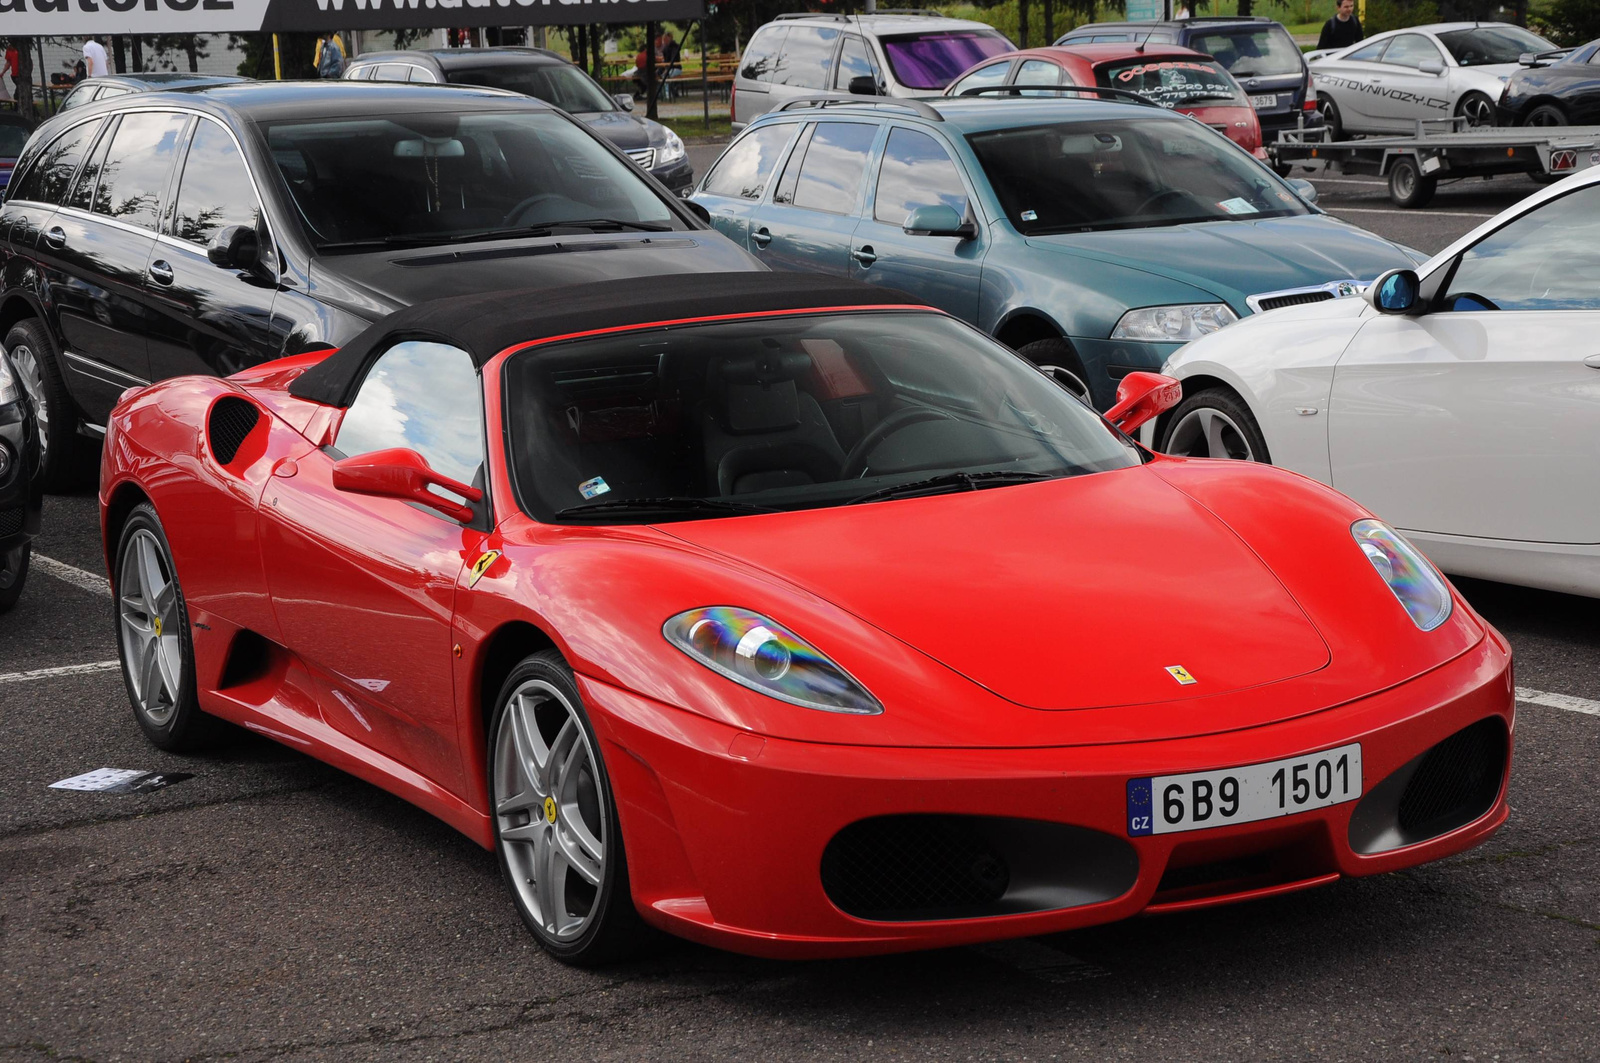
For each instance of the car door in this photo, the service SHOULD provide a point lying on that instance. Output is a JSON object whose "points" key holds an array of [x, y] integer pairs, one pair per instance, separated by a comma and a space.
{"points": [[1482, 417], [737, 183], [210, 318], [364, 588], [1405, 92], [1353, 83], [807, 222], [915, 171]]}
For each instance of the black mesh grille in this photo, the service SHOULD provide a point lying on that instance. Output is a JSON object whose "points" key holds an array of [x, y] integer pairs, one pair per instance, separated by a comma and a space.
{"points": [[11, 521], [1297, 299], [1457, 780], [231, 421], [893, 867]]}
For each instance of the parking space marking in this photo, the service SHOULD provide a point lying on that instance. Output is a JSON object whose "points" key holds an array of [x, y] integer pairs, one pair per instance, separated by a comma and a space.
{"points": [[52, 673], [1558, 701], [76, 576], [1412, 213]]}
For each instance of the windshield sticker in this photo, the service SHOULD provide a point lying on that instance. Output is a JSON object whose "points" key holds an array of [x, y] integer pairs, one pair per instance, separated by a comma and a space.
{"points": [[593, 488], [1238, 205], [1030, 215]]}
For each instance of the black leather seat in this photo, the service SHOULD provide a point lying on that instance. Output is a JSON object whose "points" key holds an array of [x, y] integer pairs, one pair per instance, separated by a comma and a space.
{"points": [[761, 429]]}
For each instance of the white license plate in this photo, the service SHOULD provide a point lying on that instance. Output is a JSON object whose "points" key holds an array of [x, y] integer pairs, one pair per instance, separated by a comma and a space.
{"points": [[1264, 103], [1200, 800]]}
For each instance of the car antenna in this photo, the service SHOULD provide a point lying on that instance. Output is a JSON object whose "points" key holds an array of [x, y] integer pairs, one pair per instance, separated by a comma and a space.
{"points": [[1148, 34]]}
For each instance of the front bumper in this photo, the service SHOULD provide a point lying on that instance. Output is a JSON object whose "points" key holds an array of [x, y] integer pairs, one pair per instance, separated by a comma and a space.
{"points": [[726, 831], [1107, 361], [678, 177]]}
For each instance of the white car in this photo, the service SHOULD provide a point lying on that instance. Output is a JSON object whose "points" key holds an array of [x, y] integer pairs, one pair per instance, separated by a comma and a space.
{"points": [[1452, 69], [1461, 403]]}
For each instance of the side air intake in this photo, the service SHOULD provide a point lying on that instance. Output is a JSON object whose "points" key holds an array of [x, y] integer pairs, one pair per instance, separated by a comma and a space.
{"points": [[231, 422]]}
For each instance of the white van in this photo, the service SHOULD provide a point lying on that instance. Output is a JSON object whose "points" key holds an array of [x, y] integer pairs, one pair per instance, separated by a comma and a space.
{"points": [[903, 53]]}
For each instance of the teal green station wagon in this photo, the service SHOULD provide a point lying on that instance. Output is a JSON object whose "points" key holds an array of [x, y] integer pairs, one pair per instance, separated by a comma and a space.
{"points": [[1094, 236]]}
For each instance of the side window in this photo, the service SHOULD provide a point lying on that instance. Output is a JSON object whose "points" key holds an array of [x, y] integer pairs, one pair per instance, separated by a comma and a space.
{"points": [[135, 175], [51, 173], [916, 172], [83, 189], [79, 96], [762, 53], [423, 75], [791, 170], [807, 57], [1411, 50], [1372, 53], [746, 166], [390, 72], [215, 191], [993, 74], [854, 62], [424, 397], [359, 73], [1038, 72], [109, 91], [830, 176], [1548, 259]]}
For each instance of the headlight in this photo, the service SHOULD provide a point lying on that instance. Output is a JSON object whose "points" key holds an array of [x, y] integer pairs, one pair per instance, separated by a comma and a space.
{"points": [[10, 391], [671, 149], [1409, 575], [765, 656], [1173, 324]]}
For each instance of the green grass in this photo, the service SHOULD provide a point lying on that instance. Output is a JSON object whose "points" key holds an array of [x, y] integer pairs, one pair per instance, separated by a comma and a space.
{"points": [[696, 126]]}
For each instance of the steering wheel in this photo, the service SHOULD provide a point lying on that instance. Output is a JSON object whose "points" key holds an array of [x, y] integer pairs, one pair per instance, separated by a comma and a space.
{"points": [[855, 462], [1165, 193], [514, 215]]}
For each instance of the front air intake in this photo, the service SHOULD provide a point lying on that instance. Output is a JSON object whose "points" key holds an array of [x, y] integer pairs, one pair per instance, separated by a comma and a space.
{"points": [[1298, 299], [231, 422], [1449, 785]]}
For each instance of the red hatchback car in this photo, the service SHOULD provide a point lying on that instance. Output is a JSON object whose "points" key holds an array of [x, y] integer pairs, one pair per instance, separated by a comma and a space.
{"points": [[1180, 79], [784, 615]]}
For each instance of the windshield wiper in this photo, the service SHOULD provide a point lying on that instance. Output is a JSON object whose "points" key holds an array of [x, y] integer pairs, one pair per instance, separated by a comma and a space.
{"points": [[954, 481], [594, 225], [668, 504]]}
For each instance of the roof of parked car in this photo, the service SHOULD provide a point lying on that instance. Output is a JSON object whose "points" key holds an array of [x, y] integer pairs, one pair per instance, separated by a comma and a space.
{"points": [[977, 114], [890, 22], [455, 58], [484, 325], [1207, 21], [166, 79], [274, 100]]}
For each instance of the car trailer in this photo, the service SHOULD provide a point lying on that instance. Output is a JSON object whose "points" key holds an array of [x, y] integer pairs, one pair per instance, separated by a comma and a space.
{"points": [[1444, 149]]}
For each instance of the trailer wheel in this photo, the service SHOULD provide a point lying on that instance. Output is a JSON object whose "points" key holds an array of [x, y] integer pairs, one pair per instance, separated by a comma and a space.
{"points": [[1407, 185]]}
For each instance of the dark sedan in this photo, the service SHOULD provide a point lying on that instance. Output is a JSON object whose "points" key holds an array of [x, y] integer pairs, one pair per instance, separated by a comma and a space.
{"points": [[14, 132], [90, 90], [1554, 89]]}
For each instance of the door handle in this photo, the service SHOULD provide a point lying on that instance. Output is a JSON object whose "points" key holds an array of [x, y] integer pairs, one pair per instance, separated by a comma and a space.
{"points": [[864, 255], [1593, 361], [161, 272], [761, 238], [55, 236]]}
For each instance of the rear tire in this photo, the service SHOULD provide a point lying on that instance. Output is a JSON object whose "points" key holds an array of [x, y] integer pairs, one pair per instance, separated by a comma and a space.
{"points": [[13, 574], [1057, 360], [33, 356], [1214, 423], [1546, 114], [1408, 187]]}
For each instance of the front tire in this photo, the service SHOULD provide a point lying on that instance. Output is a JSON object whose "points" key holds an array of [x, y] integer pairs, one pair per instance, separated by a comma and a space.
{"points": [[1477, 109], [1057, 360], [1546, 115], [1331, 117], [1213, 423], [55, 414], [13, 574], [555, 820]]}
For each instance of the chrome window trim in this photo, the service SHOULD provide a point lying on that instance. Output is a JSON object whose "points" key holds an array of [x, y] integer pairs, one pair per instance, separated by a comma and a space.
{"points": [[84, 364], [17, 179], [433, 78]]}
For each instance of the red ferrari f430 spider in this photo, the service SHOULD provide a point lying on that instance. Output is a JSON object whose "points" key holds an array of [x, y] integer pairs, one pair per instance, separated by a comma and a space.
{"points": [[780, 614]]}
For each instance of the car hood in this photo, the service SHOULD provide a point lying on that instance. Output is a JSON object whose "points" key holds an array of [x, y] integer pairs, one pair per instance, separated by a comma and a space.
{"points": [[1059, 595], [377, 284], [626, 130], [1236, 259]]}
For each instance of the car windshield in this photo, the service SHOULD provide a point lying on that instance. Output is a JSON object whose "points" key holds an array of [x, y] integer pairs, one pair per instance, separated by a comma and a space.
{"points": [[798, 412], [1126, 174], [560, 84], [1491, 45], [436, 178], [1171, 82], [933, 60], [13, 135], [1250, 53]]}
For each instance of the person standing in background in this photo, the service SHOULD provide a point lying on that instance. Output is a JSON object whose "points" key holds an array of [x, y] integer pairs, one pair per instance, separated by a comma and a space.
{"points": [[1343, 29], [94, 58], [329, 56]]}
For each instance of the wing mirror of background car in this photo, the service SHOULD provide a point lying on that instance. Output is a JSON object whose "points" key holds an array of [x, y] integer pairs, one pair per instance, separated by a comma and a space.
{"points": [[1395, 292], [402, 474], [864, 85], [1431, 66], [1141, 396], [698, 211], [235, 247], [623, 100], [1304, 189], [939, 220]]}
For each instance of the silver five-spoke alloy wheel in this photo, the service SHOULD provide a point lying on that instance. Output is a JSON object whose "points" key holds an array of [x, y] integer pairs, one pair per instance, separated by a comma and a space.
{"points": [[1209, 433], [31, 375], [150, 627], [550, 810]]}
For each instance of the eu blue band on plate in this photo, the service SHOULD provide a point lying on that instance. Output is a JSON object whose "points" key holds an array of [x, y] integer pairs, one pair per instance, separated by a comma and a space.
{"points": [[1139, 809]]}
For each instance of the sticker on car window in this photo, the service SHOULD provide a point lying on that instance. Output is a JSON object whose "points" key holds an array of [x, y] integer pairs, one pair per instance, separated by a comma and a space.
{"points": [[593, 488], [1238, 205], [1030, 215]]}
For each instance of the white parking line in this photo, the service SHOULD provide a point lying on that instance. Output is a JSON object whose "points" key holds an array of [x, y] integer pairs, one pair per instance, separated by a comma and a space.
{"points": [[76, 576], [53, 673], [1413, 213], [1558, 701]]}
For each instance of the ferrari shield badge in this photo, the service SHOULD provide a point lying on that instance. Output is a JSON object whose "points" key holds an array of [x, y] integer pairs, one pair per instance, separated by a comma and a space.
{"points": [[1181, 674], [480, 566]]}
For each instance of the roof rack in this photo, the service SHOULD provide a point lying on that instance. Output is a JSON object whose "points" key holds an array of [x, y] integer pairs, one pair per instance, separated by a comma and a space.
{"points": [[1228, 18], [835, 17], [1017, 91], [830, 16], [818, 102]]}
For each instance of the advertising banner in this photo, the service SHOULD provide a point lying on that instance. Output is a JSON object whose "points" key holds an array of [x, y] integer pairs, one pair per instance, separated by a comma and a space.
{"points": [[81, 18]]}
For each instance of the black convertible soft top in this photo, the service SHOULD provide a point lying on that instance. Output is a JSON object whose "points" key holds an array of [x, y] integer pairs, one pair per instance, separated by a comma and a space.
{"points": [[484, 325]]}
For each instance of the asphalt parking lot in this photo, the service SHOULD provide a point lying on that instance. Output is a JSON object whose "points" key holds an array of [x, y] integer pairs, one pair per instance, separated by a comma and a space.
{"points": [[272, 908]]}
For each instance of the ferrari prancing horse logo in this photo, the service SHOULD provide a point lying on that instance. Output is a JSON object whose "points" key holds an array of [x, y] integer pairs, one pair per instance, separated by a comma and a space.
{"points": [[480, 566], [1181, 674], [550, 809]]}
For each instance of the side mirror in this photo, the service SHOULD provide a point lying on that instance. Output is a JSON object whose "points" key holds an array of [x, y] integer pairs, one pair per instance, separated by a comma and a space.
{"points": [[864, 85], [939, 220], [1304, 189], [402, 474], [1394, 292], [624, 101], [698, 211], [235, 247], [1431, 66], [1141, 396]]}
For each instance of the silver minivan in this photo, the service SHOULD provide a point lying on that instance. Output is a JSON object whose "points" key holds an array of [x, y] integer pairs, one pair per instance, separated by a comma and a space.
{"points": [[897, 54]]}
